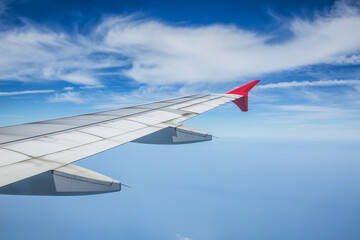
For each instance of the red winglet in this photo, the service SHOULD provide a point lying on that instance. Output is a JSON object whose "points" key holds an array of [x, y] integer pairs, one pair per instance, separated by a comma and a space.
{"points": [[242, 103]]}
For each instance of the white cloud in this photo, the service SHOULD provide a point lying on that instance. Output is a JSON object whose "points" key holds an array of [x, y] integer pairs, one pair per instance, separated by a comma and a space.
{"points": [[79, 78], [155, 52], [310, 83], [68, 88], [25, 92], [67, 97], [33, 53]]}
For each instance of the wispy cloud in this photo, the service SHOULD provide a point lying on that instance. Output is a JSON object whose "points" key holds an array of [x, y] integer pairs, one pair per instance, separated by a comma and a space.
{"points": [[92, 86], [3, 7], [154, 52], [309, 108], [25, 92], [141, 95], [74, 97], [182, 238], [310, 83], [68, 88], [345, 60]]}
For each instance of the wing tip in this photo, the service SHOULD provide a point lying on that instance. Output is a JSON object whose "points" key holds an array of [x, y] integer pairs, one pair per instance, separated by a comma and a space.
{"points": [[244, 89]]}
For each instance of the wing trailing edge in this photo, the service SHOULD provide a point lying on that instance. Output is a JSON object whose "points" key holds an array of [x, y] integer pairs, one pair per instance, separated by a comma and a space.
{"points": [[244, 90], [175, 134]]}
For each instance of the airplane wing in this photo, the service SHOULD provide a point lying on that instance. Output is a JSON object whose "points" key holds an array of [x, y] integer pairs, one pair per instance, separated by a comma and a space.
{"points": [[36, 158]]}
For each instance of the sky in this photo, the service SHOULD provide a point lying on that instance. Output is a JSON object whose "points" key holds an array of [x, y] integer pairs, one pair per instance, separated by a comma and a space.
{"points": [[287, 169]]}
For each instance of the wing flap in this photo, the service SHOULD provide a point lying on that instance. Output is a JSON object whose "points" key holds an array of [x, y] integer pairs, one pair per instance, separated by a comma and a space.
{"points": [[175, 134], [67, 180]]}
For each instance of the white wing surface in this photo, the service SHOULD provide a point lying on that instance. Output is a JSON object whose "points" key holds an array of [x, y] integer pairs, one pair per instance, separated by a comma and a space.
{"points": [[35, 158]]}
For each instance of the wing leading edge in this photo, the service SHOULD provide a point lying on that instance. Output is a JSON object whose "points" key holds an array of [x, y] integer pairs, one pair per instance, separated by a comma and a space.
{"points": [[35, 158]]}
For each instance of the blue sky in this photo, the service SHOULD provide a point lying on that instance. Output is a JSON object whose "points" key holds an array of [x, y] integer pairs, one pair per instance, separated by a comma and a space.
{"points": [[62, 58], [88, 57]]}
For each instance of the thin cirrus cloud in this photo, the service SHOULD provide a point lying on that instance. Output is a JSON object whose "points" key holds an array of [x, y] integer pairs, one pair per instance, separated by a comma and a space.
{"points": [[68, 88], [74, 97], [26, 92], [310, 83], [3, 7], [308, 108], [153, 52]]}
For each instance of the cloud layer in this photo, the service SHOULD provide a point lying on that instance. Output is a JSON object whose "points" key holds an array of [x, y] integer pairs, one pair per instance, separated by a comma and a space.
{"points": [[153, 52]]}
